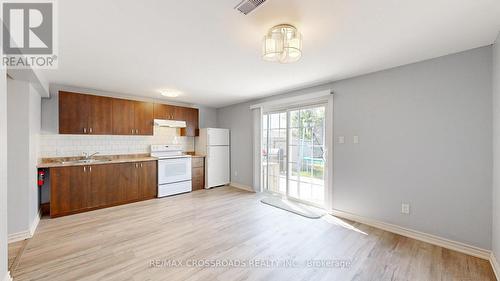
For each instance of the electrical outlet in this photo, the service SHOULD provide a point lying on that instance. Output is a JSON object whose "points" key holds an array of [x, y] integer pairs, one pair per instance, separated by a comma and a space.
{"points": [[355, 139], [341, 139], [405, 208]]}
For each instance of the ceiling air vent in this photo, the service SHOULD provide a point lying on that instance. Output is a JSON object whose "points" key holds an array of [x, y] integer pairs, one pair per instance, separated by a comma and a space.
{"points": [[246, 6]]}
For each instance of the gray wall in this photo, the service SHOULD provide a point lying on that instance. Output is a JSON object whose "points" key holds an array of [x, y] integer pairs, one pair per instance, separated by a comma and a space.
{"points": [[496, 149], [50, 107], [23, 127], [425, 138], [239, 119], [3, 175]]}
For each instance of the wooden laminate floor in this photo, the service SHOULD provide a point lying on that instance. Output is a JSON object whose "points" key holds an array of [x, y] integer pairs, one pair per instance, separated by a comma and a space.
{"points": [[227, 234]]}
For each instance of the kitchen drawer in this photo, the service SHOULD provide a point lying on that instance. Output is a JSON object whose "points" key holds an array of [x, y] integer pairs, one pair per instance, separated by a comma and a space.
{"points": [[197, 162], [197, 172]]}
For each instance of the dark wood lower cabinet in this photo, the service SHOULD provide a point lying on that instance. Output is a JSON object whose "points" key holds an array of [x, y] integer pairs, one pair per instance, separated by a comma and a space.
{"points": [[148, 183], [197, 173], [84, 188], [70, 190]]}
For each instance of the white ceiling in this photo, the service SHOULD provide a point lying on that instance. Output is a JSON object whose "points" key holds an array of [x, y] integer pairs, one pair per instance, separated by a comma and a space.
{"points": [[211, 53]]}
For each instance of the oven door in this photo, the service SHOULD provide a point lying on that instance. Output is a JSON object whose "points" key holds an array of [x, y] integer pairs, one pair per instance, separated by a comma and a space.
{"points": [[174, 170]]}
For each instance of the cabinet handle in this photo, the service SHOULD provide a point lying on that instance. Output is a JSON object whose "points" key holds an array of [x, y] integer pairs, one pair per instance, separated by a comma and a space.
{"points": [[84, 169], [132, 131], [84, 130], [137, 131], [90, 130], [90, 169], [141, 165]]}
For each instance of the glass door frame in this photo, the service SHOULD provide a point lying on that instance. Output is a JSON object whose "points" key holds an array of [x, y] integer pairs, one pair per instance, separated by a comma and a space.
{"points": [[327, 176]]}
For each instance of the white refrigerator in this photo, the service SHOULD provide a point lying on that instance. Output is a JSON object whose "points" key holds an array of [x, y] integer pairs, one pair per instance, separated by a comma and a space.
{"points": [[214, 144]]}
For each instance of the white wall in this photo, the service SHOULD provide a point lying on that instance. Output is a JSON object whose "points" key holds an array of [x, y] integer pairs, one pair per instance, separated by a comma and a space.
{"points": [[23, 127], [3, 175], [425, 138], [496, 149], [35, 122]]}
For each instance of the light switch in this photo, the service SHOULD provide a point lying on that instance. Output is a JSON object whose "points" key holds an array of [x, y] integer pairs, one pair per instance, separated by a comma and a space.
{"points": [[341, 139], [355, 139]]}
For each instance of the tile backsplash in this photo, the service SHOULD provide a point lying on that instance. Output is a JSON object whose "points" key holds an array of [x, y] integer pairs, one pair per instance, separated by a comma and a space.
{"points": [[74, 145]]}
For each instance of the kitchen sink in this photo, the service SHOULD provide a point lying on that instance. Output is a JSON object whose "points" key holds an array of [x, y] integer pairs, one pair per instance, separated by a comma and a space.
{"points": [[86, 161]]}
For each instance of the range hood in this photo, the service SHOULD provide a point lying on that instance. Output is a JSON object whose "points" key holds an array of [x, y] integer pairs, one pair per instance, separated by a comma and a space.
{"points": [[170, 123]]}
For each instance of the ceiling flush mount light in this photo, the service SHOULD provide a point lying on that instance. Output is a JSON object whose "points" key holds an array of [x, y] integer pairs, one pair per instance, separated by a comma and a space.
{"points": [[170, 93], [283, 43]]}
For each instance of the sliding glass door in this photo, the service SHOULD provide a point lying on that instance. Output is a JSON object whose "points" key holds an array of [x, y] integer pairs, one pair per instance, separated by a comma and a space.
{"points": [[274, 151], [293, 153]]}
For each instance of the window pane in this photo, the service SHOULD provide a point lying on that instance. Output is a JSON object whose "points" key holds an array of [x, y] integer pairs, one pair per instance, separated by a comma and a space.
{"points": [[306, 171], [318, 172], [318, 152], [295, 153], [318, 135], [294, 136], [283, 120], [294, 170], [294, 119], [275, 120]]}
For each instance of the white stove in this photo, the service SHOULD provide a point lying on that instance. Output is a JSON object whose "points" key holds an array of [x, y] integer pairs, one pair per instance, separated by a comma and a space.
{"points": [[174, 169]]}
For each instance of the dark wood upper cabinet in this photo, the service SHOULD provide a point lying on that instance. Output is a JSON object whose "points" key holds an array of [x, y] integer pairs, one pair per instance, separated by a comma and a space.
{"points": [[143, 112], [73, 113], [191, 117], [84, 114], [123, 117], [89, 114], [164, 111], [100, 115]]}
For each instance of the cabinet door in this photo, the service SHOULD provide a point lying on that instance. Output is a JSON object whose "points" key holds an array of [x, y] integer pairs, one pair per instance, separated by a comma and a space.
{"points": [[103, 192], [73, 113], [143, 112], [100, 115], [148, 184], [191, 118], [164, 111], [123, 117], [123, 175], [198, 180], [69, 190]]}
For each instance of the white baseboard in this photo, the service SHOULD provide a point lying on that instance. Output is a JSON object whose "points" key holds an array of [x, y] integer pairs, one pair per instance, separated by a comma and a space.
{"points": [[7, 277], [19, 236], [26, 234], [428, 238], [35, 222], [241, 186], [495, 266]]}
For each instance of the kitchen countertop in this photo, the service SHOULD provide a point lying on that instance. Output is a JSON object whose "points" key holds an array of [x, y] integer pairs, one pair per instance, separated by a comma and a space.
{"points": [[197, 156], [110, 159], [193, 155]]}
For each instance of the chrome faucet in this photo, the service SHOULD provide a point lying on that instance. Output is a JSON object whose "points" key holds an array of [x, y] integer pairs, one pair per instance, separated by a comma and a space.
{"points": [[89, 157]]}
